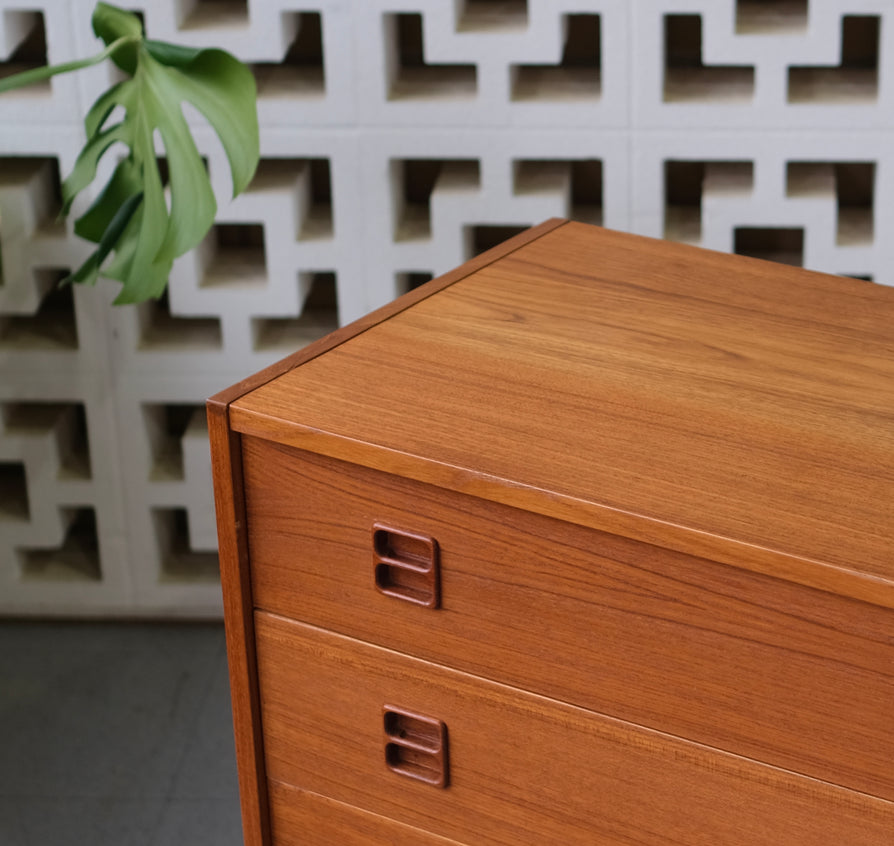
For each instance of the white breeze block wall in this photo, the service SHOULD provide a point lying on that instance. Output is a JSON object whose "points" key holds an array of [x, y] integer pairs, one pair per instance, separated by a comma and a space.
{"points": [[398, 138]]}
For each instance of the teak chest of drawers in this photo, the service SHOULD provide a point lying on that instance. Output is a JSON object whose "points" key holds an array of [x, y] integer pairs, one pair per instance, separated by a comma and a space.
{"points": [[586, 542]]}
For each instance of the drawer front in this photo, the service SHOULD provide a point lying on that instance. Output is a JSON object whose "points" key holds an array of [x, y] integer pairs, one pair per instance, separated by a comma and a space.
{"points": [[764, 668], [523, 769], [299, 818]]}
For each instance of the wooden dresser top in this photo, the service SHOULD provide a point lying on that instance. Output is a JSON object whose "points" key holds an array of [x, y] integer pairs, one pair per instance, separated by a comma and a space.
{"points": [[713, 404]]}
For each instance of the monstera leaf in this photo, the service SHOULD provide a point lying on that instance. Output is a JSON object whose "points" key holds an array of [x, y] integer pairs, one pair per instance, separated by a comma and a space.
{"points": [[133, 219]]}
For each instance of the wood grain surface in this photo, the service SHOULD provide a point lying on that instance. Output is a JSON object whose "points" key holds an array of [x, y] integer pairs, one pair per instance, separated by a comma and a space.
{"points": [[385, 312], [525, 769], [300, 818], [226, 465], [761, 667], [717, 405]]}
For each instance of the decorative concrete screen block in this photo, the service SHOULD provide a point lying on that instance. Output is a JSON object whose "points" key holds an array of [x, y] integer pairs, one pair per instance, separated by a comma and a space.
{"points": [[766, 63], [483, 63], [816, 199], [398, 138], [32, 34]]}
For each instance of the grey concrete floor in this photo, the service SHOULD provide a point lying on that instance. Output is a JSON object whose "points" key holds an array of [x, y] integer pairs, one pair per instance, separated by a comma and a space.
{"points": [[116, 733]]}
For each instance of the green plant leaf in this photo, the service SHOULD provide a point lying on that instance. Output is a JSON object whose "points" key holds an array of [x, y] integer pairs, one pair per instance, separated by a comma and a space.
{"points": [[88, 272], [111, 23], [84, 171], [224, 91], [123, 185], [104, 106], [131, 220], [192, 201], [165, 76], [141, 281], [127, 245]]}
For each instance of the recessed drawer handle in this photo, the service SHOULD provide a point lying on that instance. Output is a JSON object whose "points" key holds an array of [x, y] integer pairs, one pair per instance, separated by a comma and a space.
{"points": [[406, 566], [416, 746]]}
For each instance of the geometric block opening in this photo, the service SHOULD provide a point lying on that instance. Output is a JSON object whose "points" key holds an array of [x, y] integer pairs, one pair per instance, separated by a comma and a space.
{"points": [[586, 191], [53, 326], [855, 187], [239, 237], [165, 427], [685, 185], [770, 17], [784, 245], [854, 80], [409, 76], [300, 73], [13, 491], [317, 221], [65, 423], [578, 76], [161, 330], [319, 316], [491, 15], [77, 559], [238, 255], [687, 78], [312, 182], [38, 179], [484, 236], [30, 52], [580, 180], [178, 561], [850, 184], [215, 13], [164, 170], [409, 280], [73, 443], [416, 181]]}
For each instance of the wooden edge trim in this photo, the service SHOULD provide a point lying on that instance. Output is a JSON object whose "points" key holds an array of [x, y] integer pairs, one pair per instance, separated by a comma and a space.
{"points": [[816, 574], [226, 462], [345, 333]]}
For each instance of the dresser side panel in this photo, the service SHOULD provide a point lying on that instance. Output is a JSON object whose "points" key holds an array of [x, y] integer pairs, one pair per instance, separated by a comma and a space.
{"points": [[226, 461]]}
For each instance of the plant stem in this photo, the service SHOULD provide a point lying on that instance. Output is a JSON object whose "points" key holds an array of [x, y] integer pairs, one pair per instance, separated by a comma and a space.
{"points": [[29, 77]]}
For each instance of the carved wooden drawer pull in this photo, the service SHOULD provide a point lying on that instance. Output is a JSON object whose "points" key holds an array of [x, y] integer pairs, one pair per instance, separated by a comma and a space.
{"points": [[416, 746], [406, 566]]}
